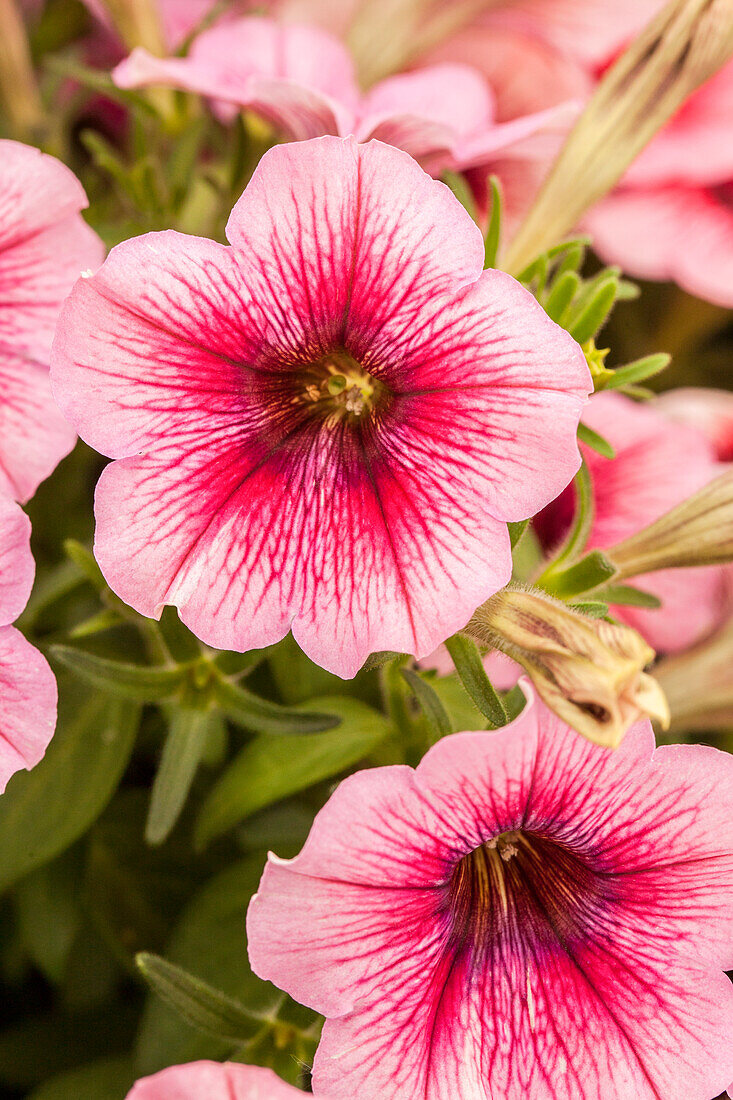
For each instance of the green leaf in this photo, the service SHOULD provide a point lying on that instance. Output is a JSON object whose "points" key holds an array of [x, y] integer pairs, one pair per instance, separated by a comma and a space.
{"points": [[142, 683], [469, 666], [594, 315], [261, 716], [48, 913], [638, 371], [629, 595], [380, 659], [84, 560], [564, 289], [107, 1079], [595, 441], [271, 768], [197, 1002], [492, 238], [45, 810], [210, 939], [516, 530], [458, 185], [582, 521], [432, 707], [594, 609], [182, 752], [589, 573]]}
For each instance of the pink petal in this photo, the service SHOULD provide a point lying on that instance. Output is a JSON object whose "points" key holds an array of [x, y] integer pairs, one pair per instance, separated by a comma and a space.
{"points": [[213, 1081], [296, 77], [634, 1007], [28, 715], [686, 235], [708, 410], [44, 246], [16, 563], [253, 522]]}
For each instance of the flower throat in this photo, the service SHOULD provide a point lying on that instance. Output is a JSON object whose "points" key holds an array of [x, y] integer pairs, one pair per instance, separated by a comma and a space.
{"points": [[337, 387]]}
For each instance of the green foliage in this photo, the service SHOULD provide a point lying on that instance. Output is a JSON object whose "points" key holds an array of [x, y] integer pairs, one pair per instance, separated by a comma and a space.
{"points": [[470, 670]]}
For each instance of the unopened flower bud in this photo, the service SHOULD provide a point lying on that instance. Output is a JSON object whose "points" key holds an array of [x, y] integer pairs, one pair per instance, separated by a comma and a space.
{"points": [[687, 42], [699, 683], [589, 671], [699, 531]]}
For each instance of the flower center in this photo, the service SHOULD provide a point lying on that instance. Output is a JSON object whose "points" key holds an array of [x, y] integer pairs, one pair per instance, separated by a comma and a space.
{"points": [[523, 887], [337, 387]]}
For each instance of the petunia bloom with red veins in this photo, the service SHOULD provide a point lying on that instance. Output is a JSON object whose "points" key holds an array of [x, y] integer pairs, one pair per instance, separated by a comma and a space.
{"points": [[658, 464], [301, 80], [213, 1081], [44, 246], [525, 916], [27, 685], [326, 426]]}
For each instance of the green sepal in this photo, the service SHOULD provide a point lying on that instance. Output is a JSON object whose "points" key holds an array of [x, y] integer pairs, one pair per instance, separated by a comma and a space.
{"points": [[432, 707], [380, 659], [637, 371], [594, 609], [198, 1003], [585, 575], [183, 749], [629, 595], [516, 530], [459, 186], [595, 314], [595, 441], [563, 290], [466, 657]]}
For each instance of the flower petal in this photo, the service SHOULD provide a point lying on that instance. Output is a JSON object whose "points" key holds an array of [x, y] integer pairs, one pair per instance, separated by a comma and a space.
{"points": [[28, 692], [213, 1081], [16, 563]]}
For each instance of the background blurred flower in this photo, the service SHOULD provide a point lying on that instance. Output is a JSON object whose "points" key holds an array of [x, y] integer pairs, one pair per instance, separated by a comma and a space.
{"points": [[326, 426], [213, 1081], [658, 464], [44, 246], [524, 914]]}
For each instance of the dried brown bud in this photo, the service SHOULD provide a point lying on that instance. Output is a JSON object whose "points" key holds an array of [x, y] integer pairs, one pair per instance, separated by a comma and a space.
{"points": [[682, 47], [589, 671]]}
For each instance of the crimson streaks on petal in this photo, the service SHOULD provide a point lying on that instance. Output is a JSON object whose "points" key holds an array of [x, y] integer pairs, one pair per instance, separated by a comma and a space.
{"points": [[325, 426], [44, 247], [526, 916]]}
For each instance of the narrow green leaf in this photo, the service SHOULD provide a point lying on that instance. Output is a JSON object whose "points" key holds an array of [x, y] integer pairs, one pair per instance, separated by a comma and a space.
{"points": [[629, 595], [198, 1003], [493, 232], [514, 702], [182, 752], [106, 619], [107, 1079], [432, 707], [627, 291], [582, 520], [142, 683], [261, 716], [589, 573], [597, 442], [595, 313], [84, 559], [572, 259], [562, 292], [269, 769], [638, 371], [380, 659], [459, 186], [469, 666], [516, 530], [44, 811]]}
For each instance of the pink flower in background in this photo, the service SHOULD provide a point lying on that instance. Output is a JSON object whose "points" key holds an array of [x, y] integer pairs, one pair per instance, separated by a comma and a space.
{"points": [[708, 410], [525, 916], [44, 246], [672, 216], [213, 1081], [27, 685], [658, 463], [301, 80], [326, 426]]}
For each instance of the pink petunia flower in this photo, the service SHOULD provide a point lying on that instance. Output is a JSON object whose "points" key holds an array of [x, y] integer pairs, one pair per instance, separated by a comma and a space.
{"points": [[525, 916], [326, 426], [44, 246], [213, 1081], [659, 462], [301, 80], [27, 685], [708, 410]]}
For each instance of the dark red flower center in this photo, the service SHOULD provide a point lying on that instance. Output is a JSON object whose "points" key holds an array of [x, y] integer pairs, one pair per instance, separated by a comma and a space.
{"points": [[526, 888]]}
